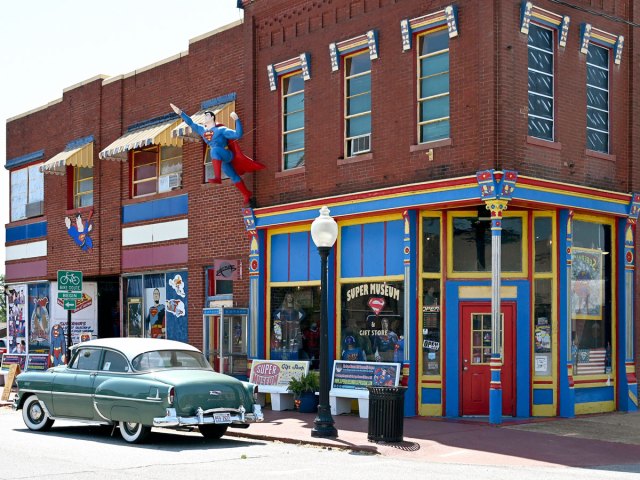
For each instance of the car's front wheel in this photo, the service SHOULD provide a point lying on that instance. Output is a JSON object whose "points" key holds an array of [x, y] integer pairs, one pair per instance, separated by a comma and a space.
{"points": [[134, 432], [35, 416], [212, 432]]}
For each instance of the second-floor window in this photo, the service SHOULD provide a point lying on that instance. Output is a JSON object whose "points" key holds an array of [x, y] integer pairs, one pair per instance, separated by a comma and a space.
{"points": [[27, 192], [433, 86], [598, 99], [358, 103], [540, 82], [82, 187], [156, 169], [292, 121]]}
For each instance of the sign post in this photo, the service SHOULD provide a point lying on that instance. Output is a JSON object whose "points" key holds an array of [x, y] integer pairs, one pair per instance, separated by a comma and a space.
{"points": [[70, 288]]}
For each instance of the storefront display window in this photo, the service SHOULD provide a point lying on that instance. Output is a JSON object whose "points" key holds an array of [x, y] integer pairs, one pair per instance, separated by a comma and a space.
{"points": [[472, 244], [543, 315], [591, 298], [431, 347], [157, 305], [372, 321], [295, 324]]}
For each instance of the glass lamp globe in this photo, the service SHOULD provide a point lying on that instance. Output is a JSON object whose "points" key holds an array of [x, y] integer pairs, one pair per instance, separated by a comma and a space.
{"points": [[324, 229]]}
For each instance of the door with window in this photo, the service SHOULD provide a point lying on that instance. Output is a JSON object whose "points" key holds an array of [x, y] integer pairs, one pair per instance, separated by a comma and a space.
{"points": [[476, 356]]}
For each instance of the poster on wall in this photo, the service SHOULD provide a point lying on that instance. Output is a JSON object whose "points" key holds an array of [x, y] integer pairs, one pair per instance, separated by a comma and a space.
{"points": [[39, 318], [176, 306], [154, 320], [17, 318], [84, 319], [134, 317]]}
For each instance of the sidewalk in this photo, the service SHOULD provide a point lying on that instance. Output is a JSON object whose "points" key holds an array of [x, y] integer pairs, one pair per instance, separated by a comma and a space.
{"points": [[610, 439]]}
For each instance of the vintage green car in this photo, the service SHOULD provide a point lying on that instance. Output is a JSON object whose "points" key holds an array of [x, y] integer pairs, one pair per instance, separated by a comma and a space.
{"points": [[136, 384]]}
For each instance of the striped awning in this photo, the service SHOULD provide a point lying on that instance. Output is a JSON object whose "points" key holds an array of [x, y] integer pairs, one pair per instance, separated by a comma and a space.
{"points": [[222, 116], [80, 156], [157, 134]]}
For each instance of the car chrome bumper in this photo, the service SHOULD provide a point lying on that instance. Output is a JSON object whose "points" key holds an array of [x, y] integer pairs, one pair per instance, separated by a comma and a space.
{"points": [[205, 417]]}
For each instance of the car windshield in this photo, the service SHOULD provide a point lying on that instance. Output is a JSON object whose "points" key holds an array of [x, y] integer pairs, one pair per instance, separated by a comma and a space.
{"points": [[169, 359]]}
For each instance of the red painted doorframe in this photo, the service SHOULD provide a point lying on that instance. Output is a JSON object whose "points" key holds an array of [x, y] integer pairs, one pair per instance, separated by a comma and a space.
{"points": [[475, 374]]}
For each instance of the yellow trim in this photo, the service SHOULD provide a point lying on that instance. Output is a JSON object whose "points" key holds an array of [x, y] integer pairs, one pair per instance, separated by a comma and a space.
{"points": [[165, 138], [505, 274], [365, 198], [595, 407], [590, 381], [83, 157], [633, 398], [308, 283], [391, 217]]}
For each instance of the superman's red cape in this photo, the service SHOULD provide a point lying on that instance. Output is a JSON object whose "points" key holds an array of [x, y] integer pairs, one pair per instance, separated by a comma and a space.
{"points": [[241, 163]]}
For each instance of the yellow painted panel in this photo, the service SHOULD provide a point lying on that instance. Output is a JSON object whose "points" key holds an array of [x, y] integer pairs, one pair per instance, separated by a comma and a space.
{"points": [[430, 410], [595, 407], [543, 411], [485, 292]]}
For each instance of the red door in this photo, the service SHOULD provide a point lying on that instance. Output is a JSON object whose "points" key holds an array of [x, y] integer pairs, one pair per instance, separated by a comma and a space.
{"points": [[476, 355]]}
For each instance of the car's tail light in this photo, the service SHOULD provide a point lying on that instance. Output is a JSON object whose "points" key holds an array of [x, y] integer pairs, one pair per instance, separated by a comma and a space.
{"points": [[172, 395]]}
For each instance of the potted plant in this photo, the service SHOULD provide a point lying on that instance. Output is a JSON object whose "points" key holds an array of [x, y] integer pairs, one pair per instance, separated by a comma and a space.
{"points": [[304, 390]]}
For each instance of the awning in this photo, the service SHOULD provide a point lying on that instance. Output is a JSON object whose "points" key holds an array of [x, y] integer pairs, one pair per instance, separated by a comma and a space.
{"points": [[222, 112], [157, 134], [81, 156]]}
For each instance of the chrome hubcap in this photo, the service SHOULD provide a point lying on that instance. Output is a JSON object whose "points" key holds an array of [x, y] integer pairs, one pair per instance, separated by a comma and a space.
{"points": [[36, 412]]}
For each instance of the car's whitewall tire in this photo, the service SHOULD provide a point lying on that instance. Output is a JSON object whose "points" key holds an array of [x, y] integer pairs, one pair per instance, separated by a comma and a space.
{"points": [[134, 432], [35, 415]]}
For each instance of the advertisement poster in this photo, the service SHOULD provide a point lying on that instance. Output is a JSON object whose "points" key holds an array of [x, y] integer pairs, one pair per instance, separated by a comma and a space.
{"points": [[176, 306], [134, 317], [39, 317], [276, 373], [84, 319], [360, 375], [587, 277], [13, 359], [17, 319], [154, 319], [37, 362]]}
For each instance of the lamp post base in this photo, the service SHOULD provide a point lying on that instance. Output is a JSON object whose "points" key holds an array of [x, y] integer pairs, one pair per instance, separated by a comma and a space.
{"points": [[323, 424]]}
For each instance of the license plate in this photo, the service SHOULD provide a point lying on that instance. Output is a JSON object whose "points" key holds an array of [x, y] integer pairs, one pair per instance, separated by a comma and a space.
{"points": [[221, 418]]}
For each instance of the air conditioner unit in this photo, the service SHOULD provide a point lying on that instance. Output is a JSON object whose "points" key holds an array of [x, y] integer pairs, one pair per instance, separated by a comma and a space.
{"points": [[169, 182], [361, 144], [34, 209]]}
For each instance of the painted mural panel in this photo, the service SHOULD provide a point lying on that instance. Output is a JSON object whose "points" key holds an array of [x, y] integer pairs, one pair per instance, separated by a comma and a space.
{"points": [[39, 318], [17, 319]]}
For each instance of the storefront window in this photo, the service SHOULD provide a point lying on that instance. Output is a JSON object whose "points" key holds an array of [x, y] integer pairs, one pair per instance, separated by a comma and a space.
{"points": [[543, 314], [431, 328], [431, 244], [591, 298], [295, 324], [472, 244], [372, 322], [157, 305]]}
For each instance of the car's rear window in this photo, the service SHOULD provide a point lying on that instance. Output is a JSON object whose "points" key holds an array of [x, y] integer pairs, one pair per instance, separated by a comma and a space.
{"points": [[167, 359]]}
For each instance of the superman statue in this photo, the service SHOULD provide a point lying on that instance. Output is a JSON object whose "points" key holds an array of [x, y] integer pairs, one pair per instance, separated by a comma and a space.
{"points": [[224, 150]]}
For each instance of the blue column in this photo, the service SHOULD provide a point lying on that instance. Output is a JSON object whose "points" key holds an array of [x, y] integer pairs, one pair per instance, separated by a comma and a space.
{"points": [[565, 340]]}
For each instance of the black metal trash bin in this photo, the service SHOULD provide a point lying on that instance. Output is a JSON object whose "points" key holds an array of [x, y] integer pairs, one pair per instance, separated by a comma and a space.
{"points": [[386, 414]]}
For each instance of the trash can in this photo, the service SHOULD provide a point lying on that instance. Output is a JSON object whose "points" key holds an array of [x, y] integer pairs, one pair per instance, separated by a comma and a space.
{"points": [[386, 414]]}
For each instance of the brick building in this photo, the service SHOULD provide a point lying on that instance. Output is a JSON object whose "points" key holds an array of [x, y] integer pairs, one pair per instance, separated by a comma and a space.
{"points": [[466, 150]]}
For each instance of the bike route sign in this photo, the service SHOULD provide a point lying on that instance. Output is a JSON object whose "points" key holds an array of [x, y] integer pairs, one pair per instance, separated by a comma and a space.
{"points": [[69, 281]]}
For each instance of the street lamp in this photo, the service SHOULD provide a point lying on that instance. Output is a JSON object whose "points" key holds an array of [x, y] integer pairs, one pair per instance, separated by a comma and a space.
{"points": [[324, 231]]}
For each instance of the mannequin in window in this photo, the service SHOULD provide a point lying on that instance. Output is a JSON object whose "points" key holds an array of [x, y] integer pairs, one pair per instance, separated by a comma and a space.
{"points": [[225, 153]]}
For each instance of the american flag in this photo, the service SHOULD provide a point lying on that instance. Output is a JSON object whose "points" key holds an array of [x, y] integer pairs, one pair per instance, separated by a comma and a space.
{"points": [[590, 361]]}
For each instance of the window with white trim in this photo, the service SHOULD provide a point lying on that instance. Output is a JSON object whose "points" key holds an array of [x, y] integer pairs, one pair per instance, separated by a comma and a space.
{"points": [[541, 88], [598, 98], [27, 192], [433, 86], [357, 103], [82, 187], [292, 121], [156, 169]]}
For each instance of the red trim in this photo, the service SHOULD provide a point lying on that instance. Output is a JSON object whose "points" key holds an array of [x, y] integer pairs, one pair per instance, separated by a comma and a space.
{"points": [[371, 194], [573, 188]]}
